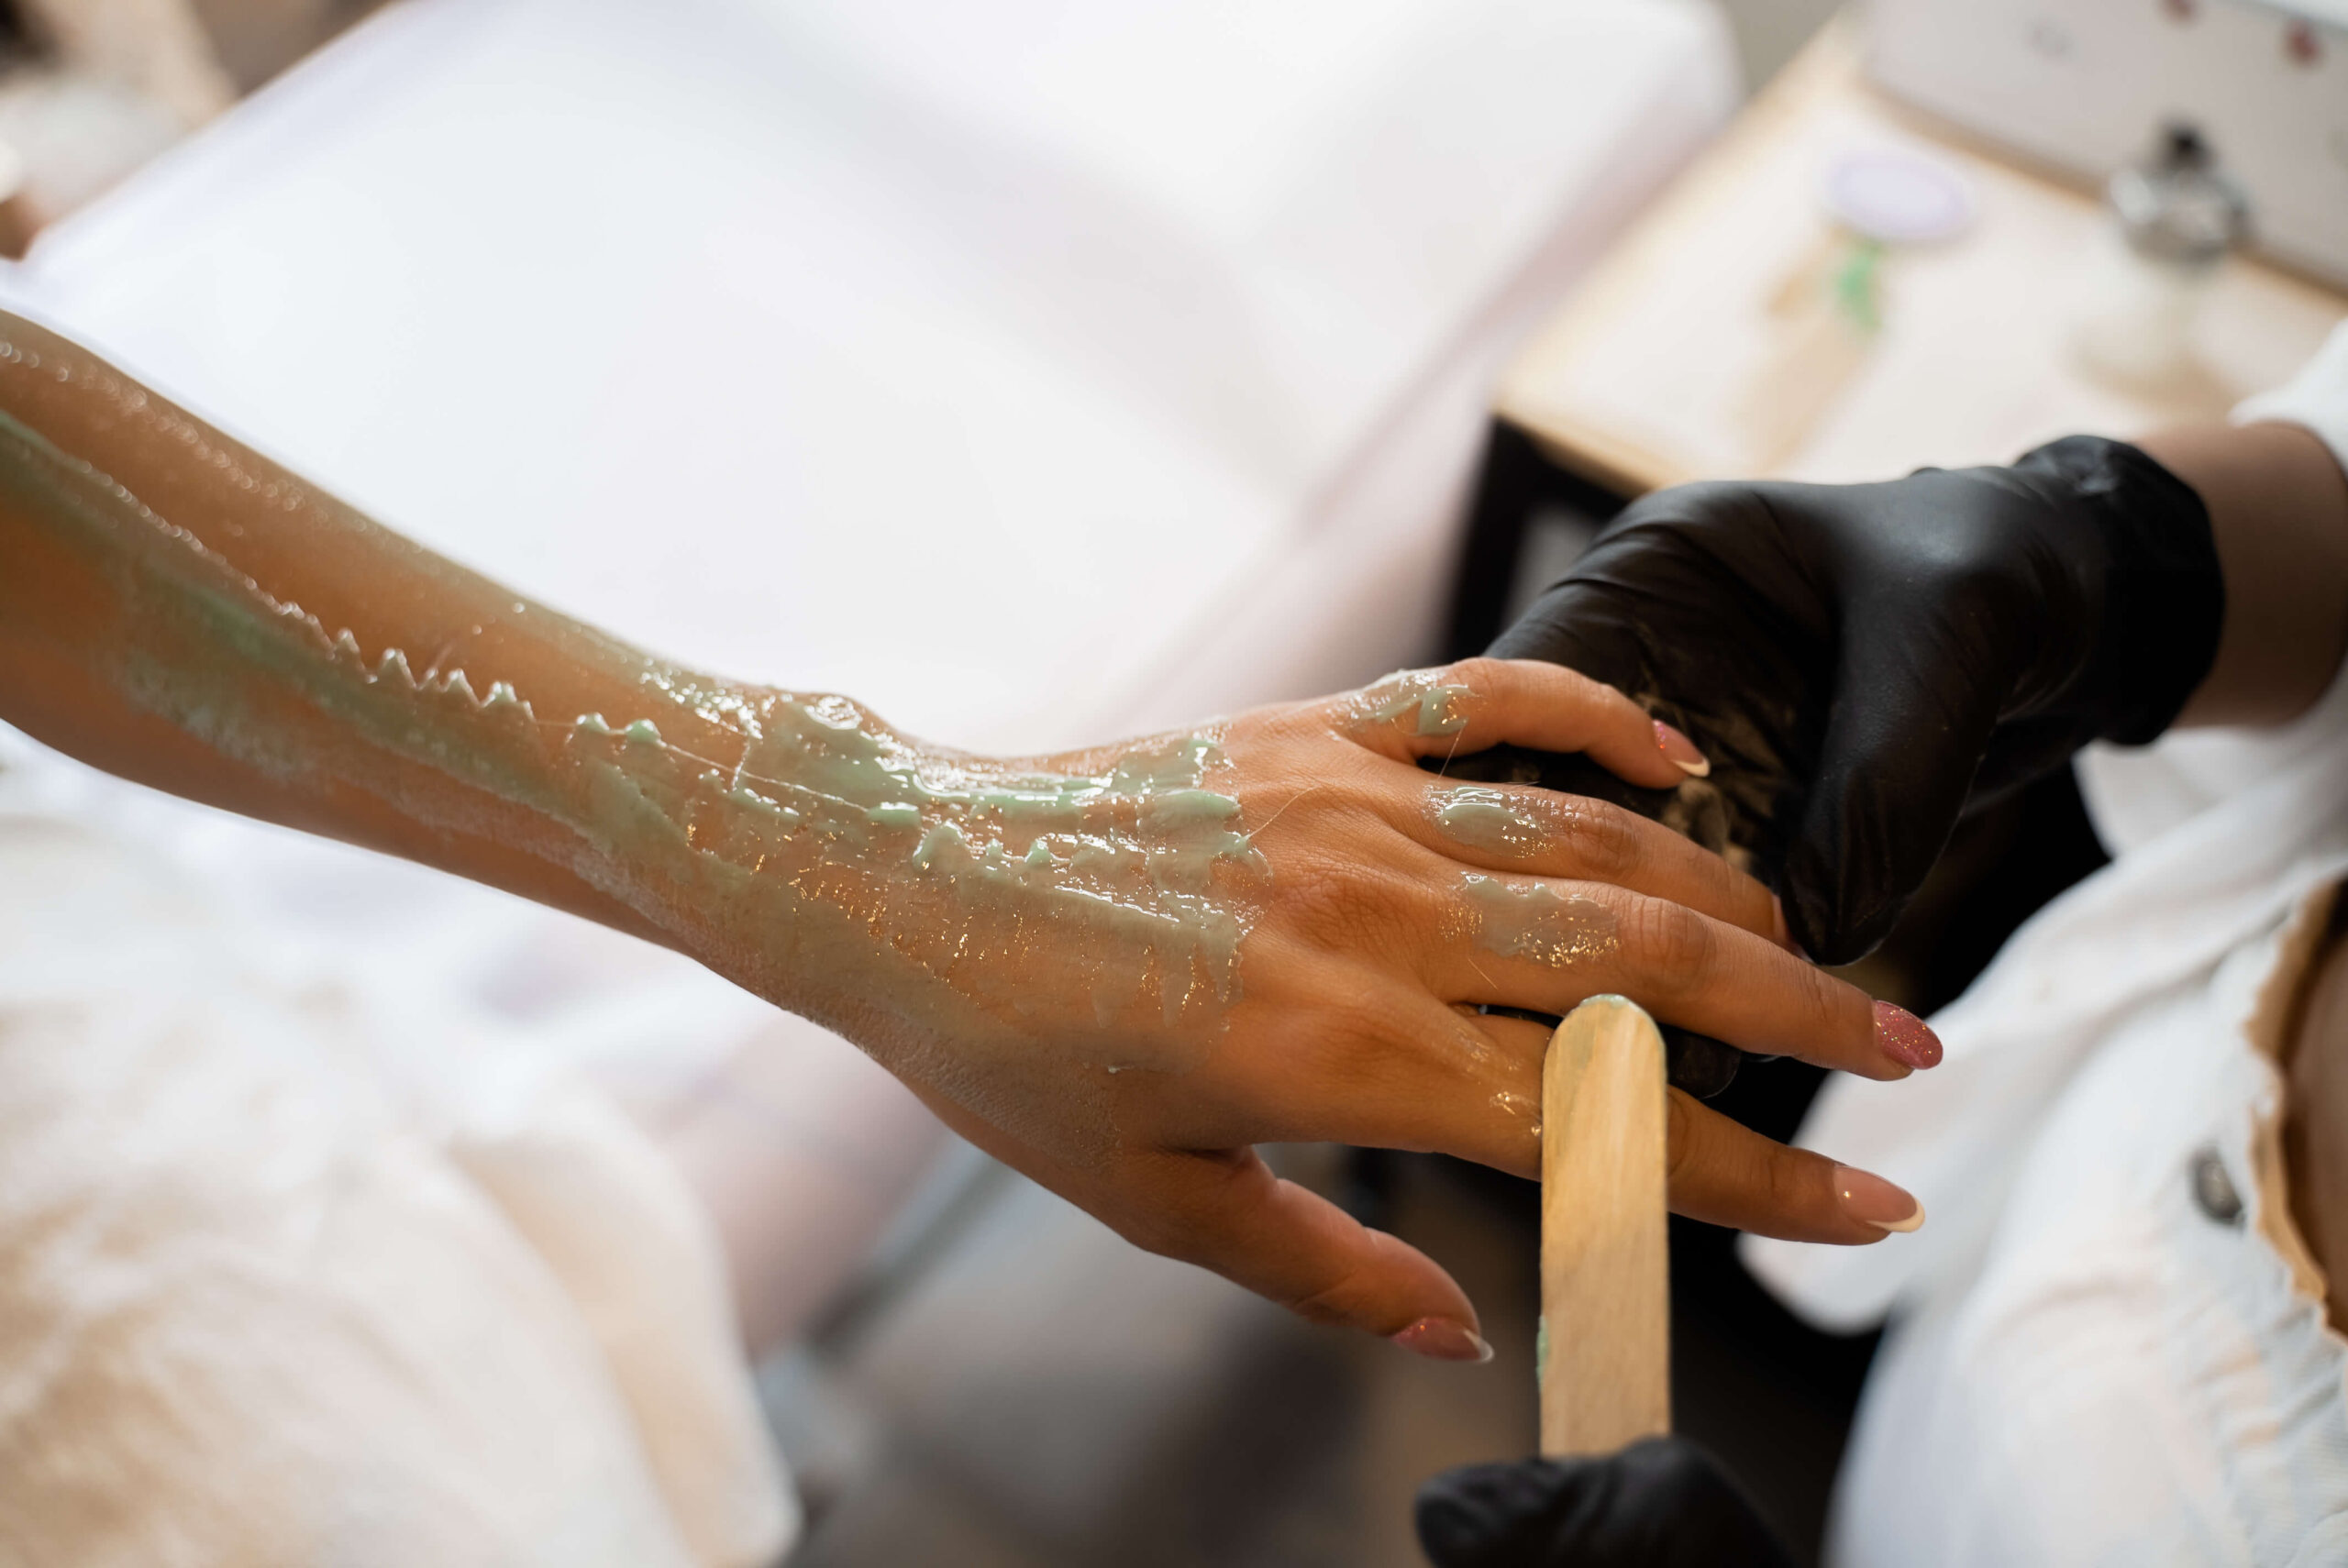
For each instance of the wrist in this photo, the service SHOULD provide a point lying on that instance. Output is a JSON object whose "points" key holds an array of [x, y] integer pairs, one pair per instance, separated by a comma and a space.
{"points": [[2278, 512], [928, 903], [741, 823]]}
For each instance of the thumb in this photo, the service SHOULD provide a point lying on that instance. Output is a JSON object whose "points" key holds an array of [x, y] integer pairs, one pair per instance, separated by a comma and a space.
{"points": [[1226, 1211], [1912, 717]]}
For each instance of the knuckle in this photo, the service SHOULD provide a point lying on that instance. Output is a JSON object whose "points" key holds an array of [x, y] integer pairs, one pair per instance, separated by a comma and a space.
{"points": [[1603, 840], [1361, 1049], [1318, 899], [1831, 1009], [1789, 1183], [1332, 1303], [1675, 944], [1480, 671]]}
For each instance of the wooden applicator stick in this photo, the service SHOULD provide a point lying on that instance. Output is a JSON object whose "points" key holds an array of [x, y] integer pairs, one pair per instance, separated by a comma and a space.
{"points": [[1605, 1350]]}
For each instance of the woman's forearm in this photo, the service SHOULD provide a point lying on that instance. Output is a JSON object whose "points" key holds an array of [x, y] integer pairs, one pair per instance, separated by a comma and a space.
{"points": [[178, 610], [2279, 509]]}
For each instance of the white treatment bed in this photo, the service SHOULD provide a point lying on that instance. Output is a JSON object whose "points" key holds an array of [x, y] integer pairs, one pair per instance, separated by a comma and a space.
{"points": [[1037, 371]]}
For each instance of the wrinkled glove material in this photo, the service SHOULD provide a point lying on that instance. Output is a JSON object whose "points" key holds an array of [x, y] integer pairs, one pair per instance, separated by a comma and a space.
{"points": [[1865, 663], [1662, 1503]]}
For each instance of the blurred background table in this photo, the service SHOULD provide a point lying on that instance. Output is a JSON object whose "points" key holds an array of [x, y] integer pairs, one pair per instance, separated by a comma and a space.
{"points": [[1705, 344]]}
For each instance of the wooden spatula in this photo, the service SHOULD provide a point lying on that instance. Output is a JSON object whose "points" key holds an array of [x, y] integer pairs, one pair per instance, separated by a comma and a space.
{"points": [[1605, 1343]]}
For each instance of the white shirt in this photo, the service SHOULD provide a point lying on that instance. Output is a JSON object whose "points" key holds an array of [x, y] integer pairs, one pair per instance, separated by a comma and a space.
{"points": [[2107, 1344]]}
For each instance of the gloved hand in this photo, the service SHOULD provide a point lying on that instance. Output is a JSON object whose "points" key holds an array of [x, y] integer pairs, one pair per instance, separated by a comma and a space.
{"points": [[1662, 1503], [1863, 662]]}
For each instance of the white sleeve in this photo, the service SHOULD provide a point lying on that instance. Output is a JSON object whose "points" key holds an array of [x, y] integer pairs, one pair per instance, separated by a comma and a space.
{"points": [[2317, 397]]}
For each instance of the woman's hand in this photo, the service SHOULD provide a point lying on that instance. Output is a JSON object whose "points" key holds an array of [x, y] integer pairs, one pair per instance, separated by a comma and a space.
{"points": [[1370, 907], [1118, 970]]}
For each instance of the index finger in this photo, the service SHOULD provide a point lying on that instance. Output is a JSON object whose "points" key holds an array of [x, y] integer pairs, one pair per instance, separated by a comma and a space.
{"points": [[1478, 703]]}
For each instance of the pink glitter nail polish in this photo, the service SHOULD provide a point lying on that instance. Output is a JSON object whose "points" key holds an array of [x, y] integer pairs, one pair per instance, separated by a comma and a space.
{"points": [[1901, 1036]]}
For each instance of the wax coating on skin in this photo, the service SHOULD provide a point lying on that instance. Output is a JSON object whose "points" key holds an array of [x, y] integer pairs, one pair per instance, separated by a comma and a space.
{"points": [[1535, 921], [1419, 698], [962, 917], [1490, 820]]}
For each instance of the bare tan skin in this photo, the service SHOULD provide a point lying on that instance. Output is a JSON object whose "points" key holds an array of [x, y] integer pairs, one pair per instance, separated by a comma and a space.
{"points": [[2315, 1127], [2279, 506], [1352, 1019]]}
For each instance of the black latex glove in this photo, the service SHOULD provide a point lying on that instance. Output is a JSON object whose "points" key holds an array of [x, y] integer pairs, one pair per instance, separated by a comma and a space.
{"points": [[1862, 662], [1658, 1504]]}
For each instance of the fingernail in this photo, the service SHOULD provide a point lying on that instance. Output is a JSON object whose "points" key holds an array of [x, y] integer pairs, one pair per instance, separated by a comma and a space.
{"points": [[1873, 1201], [1442, 1339], [1905, 1038], [1681, 751], [1901, 1036]]}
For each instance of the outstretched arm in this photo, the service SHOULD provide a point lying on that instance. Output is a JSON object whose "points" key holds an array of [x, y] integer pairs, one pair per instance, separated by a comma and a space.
{"points": [[1117, 969]]}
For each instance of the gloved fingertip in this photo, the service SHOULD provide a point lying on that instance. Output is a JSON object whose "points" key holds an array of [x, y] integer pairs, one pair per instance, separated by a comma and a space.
{"points": [[1488, 1516]]}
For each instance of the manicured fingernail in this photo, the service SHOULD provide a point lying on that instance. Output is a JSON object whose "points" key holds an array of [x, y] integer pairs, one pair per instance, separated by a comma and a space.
{"points": [[1681, 751], [1442, 1339], [1872, 1201], [1901, 1036]]}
